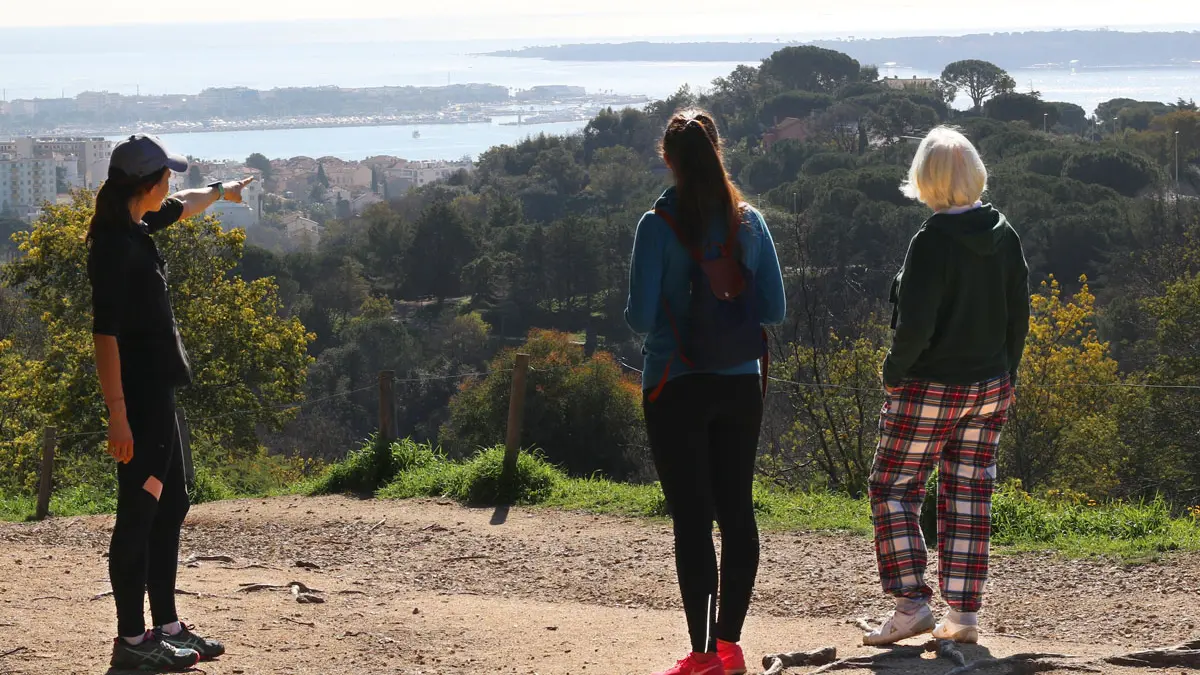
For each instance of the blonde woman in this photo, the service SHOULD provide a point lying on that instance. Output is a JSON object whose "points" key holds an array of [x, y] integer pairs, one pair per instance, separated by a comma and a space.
{"points": [[960, 316]]}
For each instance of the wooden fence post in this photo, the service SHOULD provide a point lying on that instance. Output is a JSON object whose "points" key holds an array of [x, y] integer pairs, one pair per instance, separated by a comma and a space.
{"points": [[516, 414], [49, 439], [185, 443], [387, 406]]}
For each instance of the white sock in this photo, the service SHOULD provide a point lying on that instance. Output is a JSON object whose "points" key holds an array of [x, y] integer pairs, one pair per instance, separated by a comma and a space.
{"points": [[911, 606], [135, 641], [173, 628], [963, 618]]}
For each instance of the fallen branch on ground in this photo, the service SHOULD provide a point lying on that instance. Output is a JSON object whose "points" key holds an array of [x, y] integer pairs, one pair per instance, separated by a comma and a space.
{"points": [[305, 597], [460, 558], [297, 622], [773, 664], [250, 588], [873, 662], [10, 652], [1026, 663], [946, 649], [865, 625], [378, 525], [208, 558], [1186, 655]]}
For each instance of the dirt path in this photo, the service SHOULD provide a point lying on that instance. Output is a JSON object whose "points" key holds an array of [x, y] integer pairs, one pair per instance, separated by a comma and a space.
{"points": [[432, 588]]}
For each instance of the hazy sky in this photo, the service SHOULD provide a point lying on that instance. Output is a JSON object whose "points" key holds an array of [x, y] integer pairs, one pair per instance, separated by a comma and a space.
{"points": [[462, 19]]}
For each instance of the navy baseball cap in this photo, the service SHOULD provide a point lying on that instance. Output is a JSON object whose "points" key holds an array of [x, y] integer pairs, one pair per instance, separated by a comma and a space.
{"points": [[140, 155]]}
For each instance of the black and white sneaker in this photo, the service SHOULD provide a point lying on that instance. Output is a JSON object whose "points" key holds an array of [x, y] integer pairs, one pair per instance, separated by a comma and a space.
{"points": [[152, 654], [186, 639]]}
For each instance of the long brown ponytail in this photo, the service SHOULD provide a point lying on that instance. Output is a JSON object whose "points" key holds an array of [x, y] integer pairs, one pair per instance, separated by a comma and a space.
{"points": [[692, 148], [112, 200]]}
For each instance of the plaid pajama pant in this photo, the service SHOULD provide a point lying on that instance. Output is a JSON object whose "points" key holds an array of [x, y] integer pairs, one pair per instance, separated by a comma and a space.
{"points": [[956, 428]]}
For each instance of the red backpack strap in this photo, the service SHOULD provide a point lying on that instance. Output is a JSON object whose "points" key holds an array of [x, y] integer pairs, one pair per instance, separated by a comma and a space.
{"points": [[696, 254], [653, 396]]}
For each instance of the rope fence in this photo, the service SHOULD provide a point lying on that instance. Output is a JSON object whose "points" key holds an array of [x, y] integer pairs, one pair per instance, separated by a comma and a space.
{"points": [[51, 438], [879, 389]]}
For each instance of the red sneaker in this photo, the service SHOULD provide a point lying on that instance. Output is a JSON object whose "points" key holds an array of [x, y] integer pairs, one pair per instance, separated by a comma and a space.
{"points": [[731, 657], [697, 664]]}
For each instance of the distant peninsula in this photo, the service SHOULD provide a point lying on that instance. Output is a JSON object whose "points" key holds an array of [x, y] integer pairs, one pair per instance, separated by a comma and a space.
{"points": [[1082, 49]]}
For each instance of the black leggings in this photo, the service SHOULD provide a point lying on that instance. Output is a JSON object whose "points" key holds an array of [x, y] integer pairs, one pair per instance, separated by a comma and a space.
{"points": [[144, 553], [703, 432]]}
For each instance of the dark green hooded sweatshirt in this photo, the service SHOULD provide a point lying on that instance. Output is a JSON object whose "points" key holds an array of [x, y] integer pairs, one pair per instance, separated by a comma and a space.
{"points": [[961, 302]]}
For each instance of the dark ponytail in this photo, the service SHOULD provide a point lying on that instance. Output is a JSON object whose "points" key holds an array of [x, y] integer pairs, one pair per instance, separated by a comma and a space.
{"points": [[704, 189], [112, 200]]}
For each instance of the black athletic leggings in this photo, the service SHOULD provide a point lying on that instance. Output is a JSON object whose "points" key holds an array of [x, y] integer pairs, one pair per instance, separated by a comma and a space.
{"points": [[703, 432], [144, 553]]}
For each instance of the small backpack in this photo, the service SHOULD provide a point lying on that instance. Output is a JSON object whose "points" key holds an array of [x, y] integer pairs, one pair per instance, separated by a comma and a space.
{"points": [[723, 327]]}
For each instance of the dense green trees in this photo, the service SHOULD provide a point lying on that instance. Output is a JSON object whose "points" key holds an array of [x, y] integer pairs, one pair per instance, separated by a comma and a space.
{"points": [[259, 161], [810, 69], [1014, 107], [584, 414], [979, 80]]}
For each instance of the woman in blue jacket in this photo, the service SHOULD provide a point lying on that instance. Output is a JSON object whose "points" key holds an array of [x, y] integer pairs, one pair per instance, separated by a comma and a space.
{"points": [[704, 279]]}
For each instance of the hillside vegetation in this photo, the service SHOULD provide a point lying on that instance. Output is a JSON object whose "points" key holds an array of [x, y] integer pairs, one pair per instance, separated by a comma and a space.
{"points": [[532, 249]]}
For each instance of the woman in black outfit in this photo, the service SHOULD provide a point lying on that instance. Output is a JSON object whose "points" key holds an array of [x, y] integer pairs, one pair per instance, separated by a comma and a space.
{"points": [[141, 361]]}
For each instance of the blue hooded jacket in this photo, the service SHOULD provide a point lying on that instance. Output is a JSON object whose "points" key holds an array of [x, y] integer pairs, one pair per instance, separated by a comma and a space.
{"points": [[660, 269]]}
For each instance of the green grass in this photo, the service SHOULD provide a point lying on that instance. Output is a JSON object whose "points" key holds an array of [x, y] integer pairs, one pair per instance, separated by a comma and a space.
{"points": [[598, 495], [774, 508], [1130, 531], [371, 467], [1133, 532], [91, 500], [76, 501], [478, 481], [1022, 522]]}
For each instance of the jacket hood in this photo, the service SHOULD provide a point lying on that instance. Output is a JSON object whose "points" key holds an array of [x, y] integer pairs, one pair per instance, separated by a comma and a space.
{"points": [[980, 230]]}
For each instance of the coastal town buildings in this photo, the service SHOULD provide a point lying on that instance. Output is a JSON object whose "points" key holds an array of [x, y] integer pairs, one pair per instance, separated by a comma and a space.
{"points": [[77, 162], [914, 84], [302, 231], [361, 202], [790, 128], [26, 184]]}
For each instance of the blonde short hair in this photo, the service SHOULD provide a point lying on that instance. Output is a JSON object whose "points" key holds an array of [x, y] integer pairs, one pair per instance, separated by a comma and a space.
{"points": [[947, 171]]}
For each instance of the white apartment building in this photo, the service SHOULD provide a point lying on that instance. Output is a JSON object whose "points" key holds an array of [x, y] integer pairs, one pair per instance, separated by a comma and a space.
{"points": [[423, 173], [336, 194], [350, 177], [90, 155], [361, 202], [234, 215], [26, 184], [302, 231]]}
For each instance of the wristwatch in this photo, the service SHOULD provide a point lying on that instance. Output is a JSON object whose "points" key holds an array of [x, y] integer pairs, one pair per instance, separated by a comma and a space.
{"points": [[220, 188]]}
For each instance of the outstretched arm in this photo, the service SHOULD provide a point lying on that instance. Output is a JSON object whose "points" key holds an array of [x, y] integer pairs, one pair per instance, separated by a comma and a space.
{"points": [[197, 201]]}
